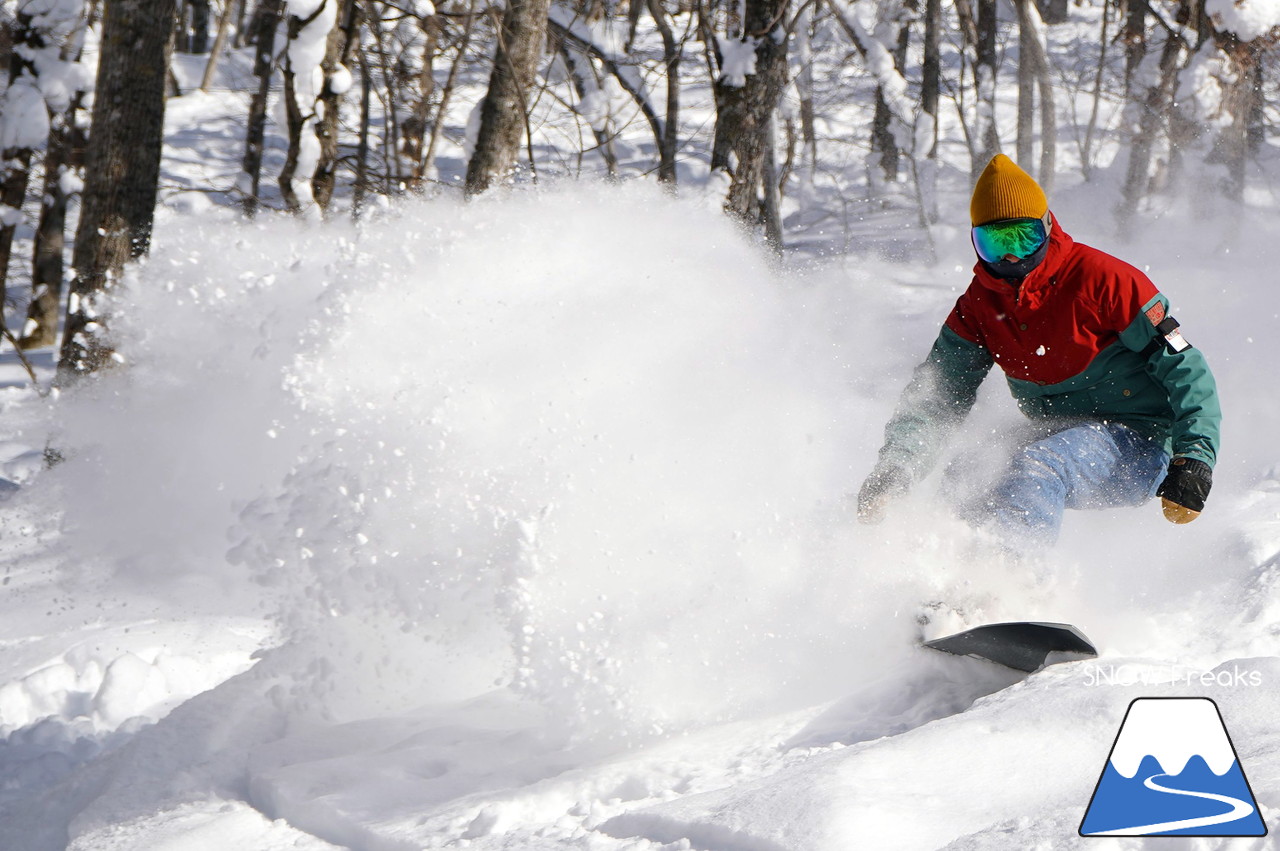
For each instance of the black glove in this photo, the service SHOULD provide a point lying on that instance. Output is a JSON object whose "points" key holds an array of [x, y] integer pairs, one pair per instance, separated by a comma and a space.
{"points": [[1184, 489], [884, 485]]}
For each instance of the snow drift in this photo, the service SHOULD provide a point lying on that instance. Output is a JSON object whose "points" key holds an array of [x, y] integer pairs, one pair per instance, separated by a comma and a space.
{"points": [[524, 483]]}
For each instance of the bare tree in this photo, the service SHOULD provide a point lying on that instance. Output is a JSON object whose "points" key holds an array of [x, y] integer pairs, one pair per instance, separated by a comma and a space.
{"points": [[1145, 133], [65, 155], [266, 21], [985, 69], [752, 74], [1033, 75], [802, 26], [414, 128], [199, 26], [504, 111], [1243, 104], [1134, 36], [578, 63], [1054, 11], [302, 103], [342, 40], [44, 47], [424, 166], [930, 88], [122, 169], [893, 28], [219, 43], [23, 127], [1091, 129], [672, 53], [63, 159]]}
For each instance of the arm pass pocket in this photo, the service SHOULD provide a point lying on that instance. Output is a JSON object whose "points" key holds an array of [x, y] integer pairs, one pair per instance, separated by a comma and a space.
{"points": [[1173, 338]]}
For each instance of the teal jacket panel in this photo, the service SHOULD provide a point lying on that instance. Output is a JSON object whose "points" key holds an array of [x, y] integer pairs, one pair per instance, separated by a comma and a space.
{"points": [[1139, 380], [941, 393]]}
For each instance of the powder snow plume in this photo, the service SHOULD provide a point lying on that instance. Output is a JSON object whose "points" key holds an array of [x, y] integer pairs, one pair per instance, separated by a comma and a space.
{"points": [[583, 443]]}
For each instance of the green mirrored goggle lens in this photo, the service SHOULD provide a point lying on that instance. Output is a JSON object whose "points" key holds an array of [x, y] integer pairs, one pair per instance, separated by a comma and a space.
{"points": [[1018, 237]]}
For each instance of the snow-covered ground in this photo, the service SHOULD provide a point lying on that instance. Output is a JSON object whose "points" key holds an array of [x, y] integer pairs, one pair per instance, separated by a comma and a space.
{"points": [[524, 524]]}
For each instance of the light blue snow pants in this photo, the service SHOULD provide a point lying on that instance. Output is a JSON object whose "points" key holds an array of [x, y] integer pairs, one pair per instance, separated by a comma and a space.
{"points": [[1092, 465]]}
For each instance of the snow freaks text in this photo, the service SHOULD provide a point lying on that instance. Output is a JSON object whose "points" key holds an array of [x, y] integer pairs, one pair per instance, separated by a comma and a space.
{"points": [[1131, 675]]}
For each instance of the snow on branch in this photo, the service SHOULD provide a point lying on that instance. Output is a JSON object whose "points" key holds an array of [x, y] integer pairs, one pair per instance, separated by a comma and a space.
{"points": [[737, 59], [1247, 20], [564, 22], [47, 34], [879, 60]]}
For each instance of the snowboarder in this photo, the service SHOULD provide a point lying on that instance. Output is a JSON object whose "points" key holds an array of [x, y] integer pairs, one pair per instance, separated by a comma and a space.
{"points": [[1124, 408]]}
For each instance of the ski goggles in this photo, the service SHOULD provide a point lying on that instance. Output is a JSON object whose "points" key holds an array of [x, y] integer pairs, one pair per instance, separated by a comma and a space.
{"points": [[1017, 237]]}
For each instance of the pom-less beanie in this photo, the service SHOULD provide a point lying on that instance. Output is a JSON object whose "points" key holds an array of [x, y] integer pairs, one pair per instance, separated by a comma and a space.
{"points": [[1005, 191]]}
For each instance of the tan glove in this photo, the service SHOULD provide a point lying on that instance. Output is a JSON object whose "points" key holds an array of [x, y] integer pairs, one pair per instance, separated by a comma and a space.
{"points": [[883, 486], [1185, 489]]}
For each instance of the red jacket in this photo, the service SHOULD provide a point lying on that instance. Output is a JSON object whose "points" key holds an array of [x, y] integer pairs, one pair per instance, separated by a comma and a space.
{"points": [[1071, 307], [1077, 340]]}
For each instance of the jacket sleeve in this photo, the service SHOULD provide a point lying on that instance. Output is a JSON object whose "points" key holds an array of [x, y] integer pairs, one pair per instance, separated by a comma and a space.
{"points": [[1186, 377], [940, 395]]}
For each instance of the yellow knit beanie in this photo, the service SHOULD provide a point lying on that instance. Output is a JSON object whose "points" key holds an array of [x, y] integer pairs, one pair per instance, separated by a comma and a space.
{"points": [[1005, 191]]}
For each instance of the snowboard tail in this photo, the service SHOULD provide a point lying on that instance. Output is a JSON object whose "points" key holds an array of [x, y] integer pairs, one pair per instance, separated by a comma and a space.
{"points": [[1023, 646]]}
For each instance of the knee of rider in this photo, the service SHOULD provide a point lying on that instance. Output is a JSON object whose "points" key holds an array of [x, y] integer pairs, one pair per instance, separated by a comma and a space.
{"points": [[1039, 462]]}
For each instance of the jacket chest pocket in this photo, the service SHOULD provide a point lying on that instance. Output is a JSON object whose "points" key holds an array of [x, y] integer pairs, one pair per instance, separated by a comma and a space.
{"points": [[1131, 393]]}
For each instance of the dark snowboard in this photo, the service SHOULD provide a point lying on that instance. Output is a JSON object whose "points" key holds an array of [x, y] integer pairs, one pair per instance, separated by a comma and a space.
{"points": [[1021, 646]]}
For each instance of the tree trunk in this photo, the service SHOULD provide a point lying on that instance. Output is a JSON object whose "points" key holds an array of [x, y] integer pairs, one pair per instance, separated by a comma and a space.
{"points": [[293, 122], [23, 93], [671, 55], [985, 69], [303, 103], [968, 24], [200, 26], [1054, 11], [1134, 36], [362, 146], [65, 153], [219, 43], [504, 111], [1036, 60], [1256, 118], [391, 111], [1242, 102], [745, 104], [771, 209], [342, 39], [883, 140], [415, 126], [581, 73], [804, 87], [1086, 152], [266, 20], [1025, 143], [1144, 137], [182, 27], [931, 85], [423, 168], [242, 31], [122, 169]]}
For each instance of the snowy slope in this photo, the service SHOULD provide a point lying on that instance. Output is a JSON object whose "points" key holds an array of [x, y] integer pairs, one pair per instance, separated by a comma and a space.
{"points": [[567, 565], [524, 524]]}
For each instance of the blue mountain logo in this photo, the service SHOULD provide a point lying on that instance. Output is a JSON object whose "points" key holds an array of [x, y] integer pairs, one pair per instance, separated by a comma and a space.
{"points": [[1173, 771]]}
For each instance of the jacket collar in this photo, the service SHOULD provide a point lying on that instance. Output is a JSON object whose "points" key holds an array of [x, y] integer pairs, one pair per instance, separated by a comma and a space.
{"points": [[1030, 292]]}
